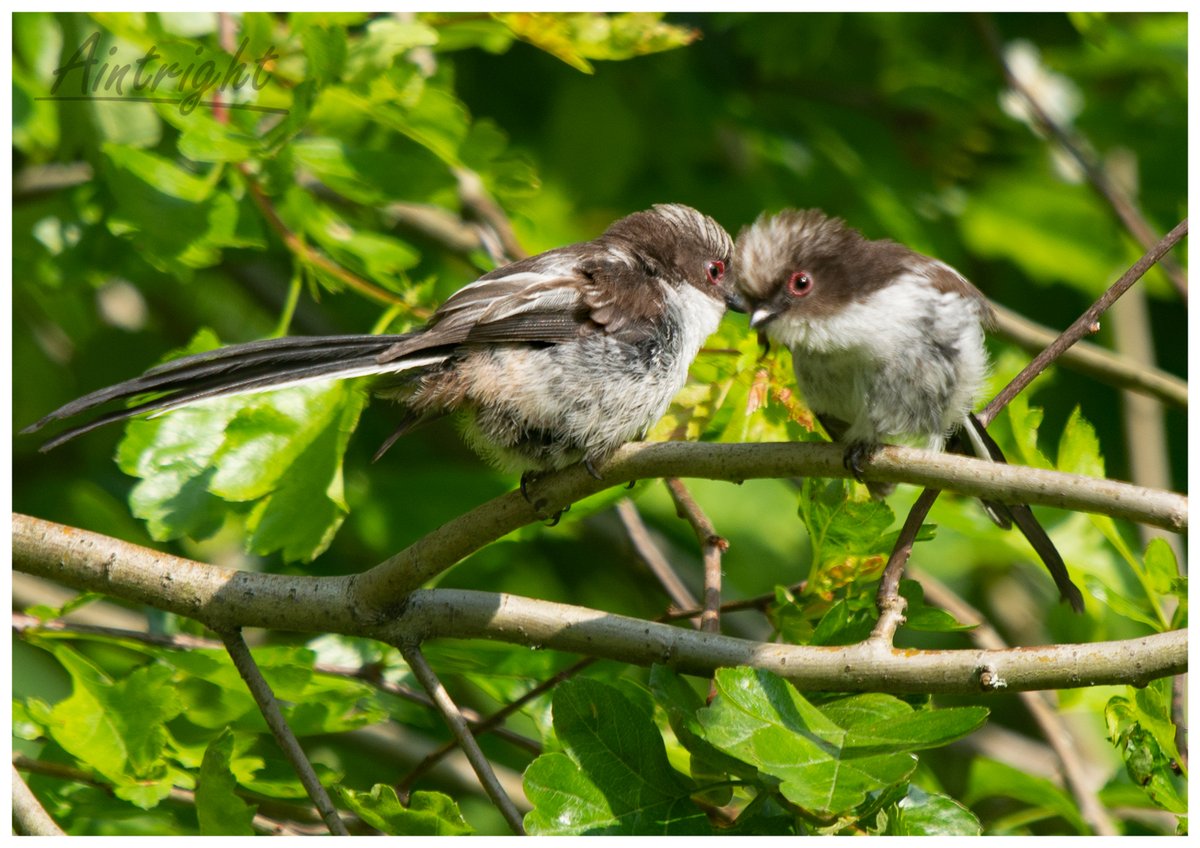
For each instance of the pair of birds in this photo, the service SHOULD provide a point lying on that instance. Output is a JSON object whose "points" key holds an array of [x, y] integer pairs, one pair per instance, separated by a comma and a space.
{"points": [[565, 356]]}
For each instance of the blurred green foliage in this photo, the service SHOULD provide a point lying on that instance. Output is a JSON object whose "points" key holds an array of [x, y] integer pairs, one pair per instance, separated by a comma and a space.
{"points": [[144, 227]]}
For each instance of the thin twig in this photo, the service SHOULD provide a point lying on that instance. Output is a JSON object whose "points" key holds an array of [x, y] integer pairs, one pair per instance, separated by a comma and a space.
{"points": [[492, 722], [1088, 322], [1054, 729], [33, 181], [239, 652], [888, 600], [458, 726], [28, 813], [310, 256], [649, 553], [758, 603], [712, 546], [1093, 360], [474, 195], [435, 223], [1125, 208]]}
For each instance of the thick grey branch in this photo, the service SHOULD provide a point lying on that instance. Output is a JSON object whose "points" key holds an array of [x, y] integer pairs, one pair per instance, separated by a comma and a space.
{"points": [[464, 535], [218, 597]]}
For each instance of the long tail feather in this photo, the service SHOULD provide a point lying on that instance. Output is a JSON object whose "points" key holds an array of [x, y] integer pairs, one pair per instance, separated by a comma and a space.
{"points": [[1021, 515], [239, 369]]}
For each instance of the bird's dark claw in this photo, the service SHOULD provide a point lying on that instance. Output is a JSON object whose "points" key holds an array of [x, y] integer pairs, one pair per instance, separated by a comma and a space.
{"points": [[554, 519], [591, 468], [528, 478], [856, 454]]}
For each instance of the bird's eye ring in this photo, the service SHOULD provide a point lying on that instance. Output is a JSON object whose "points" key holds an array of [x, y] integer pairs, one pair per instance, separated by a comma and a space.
{"points": [[716, 271], [800, 284]]}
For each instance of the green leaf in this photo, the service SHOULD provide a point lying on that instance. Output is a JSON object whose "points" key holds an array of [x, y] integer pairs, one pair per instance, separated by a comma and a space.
{"points": [[1136, 609], [27, 718], [848, 536], [280, 452], [565, 802], [427, 813], [991, 778], [682, 704], [843, 624], [403, 171], [218, 808], [616, 748], [829, 760], [790, 619], [325, 48], [117, 727], [205, 139], [387, 41], [920, 813], [1079, 449], [1141, 726], [421, 110], [379, 257], [1025, 420], [47, 613], [919, 616], [176, 219], [1051, 231], [1162, 569], [576, 37]]}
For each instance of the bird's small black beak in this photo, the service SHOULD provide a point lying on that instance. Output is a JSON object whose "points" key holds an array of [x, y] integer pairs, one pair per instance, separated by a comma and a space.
{"points": [[735, 302]]}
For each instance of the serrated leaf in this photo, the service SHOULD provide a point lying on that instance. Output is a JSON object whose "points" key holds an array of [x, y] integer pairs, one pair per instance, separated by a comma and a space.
{"points": [[427, 813], [764, 721], [619, 751], [281, 452], [1079, 449], [848, 536], [1025, 420], [565, 802], [920, 813], [116, 727], [219, 810], [830, 759]]}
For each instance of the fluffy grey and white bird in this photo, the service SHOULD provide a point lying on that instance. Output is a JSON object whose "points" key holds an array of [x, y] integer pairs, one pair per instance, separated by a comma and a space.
{"points": [[555, 359], [887, 344]]}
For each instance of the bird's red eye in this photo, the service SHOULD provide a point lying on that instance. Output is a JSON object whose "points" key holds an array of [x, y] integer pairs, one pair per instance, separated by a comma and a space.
{"points": [[716, 270], [800, 284]]}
